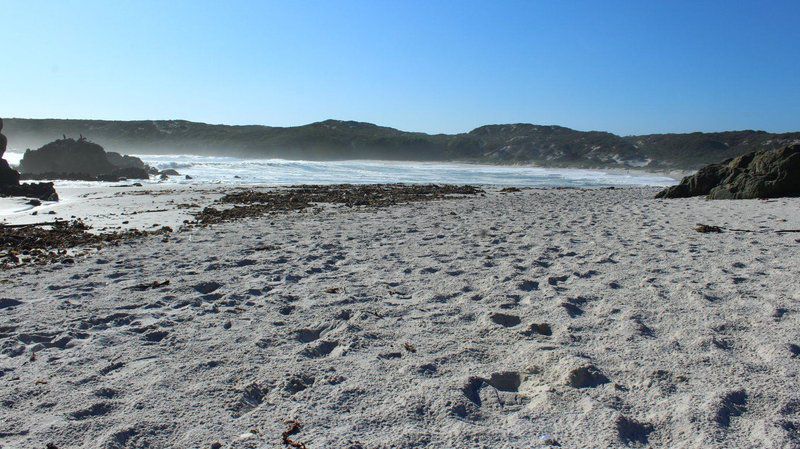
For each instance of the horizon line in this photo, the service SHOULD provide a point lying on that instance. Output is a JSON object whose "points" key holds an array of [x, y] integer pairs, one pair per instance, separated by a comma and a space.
{"points": [[404, 130]]}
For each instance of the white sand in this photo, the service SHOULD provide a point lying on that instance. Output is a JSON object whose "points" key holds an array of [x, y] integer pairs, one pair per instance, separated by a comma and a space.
{"points": [[306, 316]]}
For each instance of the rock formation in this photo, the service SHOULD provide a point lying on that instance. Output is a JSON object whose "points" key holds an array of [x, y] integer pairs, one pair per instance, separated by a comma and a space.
{"points": [[9, 179], [8, 176], [763, 174], [79, 160]]}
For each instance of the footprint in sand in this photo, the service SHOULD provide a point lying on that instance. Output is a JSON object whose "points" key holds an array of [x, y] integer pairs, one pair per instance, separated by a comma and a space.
{"points": [[95, 410], [729, 405], [528, 286], [308, 335], [631, 431], [207, 287], [504, 319], [538, 329], [320, 349], [499, 390]]}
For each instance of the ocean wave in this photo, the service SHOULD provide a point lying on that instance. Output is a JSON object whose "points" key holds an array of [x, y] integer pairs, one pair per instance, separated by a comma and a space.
{"points": [[230, 170]]}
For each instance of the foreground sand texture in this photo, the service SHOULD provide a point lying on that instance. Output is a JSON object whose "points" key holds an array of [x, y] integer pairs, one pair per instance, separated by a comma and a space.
{"points": [[513, 320]]}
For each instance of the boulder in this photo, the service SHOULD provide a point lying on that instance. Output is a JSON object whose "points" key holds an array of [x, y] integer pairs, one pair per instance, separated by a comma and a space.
{"points": [[124, 161], [170, 172], [8, 176], [67, 156], [762, 174], [3, 140], [9, 179], [44, 191], [125, 173], [80, 160]]}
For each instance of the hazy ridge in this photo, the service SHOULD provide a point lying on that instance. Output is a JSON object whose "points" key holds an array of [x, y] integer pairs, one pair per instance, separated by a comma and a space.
{"points": [[554, 146]]}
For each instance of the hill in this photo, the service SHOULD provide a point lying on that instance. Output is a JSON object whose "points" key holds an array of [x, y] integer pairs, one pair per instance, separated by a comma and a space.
{"points": [[340, 140]]}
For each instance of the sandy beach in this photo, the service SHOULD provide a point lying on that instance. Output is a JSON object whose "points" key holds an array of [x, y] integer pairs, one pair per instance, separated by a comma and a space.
{"points": [[560, 317]]}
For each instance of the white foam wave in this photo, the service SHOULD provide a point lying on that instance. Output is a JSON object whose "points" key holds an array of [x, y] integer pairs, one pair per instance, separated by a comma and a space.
{"points": [[230, 170], [285, 172]]}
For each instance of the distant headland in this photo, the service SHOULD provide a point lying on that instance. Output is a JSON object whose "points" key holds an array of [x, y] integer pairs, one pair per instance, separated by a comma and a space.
{"points": [[552, 146]]}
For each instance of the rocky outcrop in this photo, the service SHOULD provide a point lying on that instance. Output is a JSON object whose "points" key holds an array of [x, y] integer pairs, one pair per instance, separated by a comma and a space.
{"points": [[80, 160], [44, 191], [124, 161], [763, 174], [8, 176], [9, 179], [67, 156]]}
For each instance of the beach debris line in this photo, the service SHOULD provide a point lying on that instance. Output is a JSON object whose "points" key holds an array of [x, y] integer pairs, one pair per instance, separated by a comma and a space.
{"points": [[294, 427], [148, 286], [42, 243], [254, 203], [705, 229]]}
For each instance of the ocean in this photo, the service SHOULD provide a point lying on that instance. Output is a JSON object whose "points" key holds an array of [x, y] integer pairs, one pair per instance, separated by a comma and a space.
{"points": [[235, 171]]}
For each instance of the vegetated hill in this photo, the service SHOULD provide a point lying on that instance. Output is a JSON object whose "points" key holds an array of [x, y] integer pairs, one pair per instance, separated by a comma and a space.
{"points": [[694, 150], [338, 140], [554, 145], [330, 139]]}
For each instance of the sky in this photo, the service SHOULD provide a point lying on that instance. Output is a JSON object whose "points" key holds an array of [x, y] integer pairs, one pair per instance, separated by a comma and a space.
{"points": [[628, 67]]}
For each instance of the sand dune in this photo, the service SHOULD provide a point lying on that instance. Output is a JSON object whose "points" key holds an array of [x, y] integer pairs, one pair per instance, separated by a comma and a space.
{"points": [[576, 318]]}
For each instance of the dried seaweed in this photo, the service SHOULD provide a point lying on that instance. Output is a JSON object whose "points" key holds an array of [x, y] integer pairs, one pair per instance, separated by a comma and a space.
{"points": [[151, 285], [43, 243], [253, 203], [705, 229], [294, 427]]}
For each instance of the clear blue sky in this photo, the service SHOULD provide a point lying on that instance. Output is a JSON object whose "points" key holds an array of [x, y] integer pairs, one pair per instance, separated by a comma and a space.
{"points": [[629, 67]]}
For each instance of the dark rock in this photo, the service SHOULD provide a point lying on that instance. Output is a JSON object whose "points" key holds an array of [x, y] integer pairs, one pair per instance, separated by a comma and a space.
{"points": [[125, 173], [189, 177], [763, 174], [124, 161], [80, 160], [8, 176], [170, 172], [3, 140], [43, 191], [34, 202], [67, 156]]}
